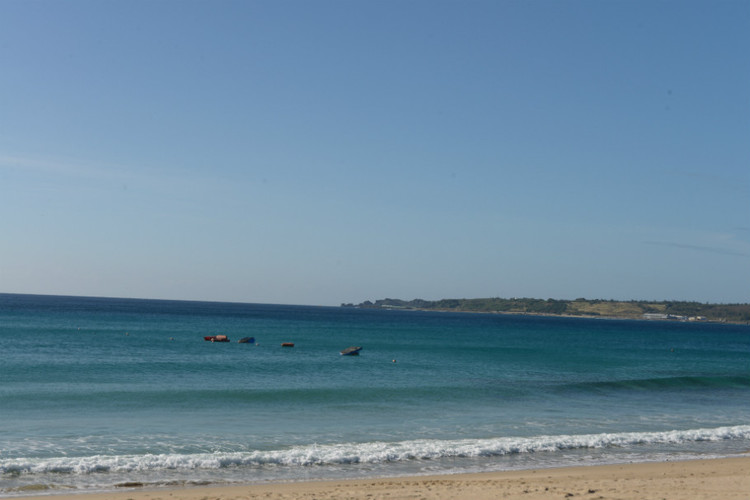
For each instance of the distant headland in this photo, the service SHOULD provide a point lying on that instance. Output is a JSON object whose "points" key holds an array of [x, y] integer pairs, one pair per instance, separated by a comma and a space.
{"points": [[635, 309]]}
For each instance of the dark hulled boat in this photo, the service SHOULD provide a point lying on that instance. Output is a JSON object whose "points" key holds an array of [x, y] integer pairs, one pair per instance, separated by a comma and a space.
{"points": [[351, 351]]}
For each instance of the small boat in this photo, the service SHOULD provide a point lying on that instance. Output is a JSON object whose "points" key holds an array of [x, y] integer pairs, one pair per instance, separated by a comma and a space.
{"points": [[287, 344], [216, 338], [246, 340], [351, 351]]}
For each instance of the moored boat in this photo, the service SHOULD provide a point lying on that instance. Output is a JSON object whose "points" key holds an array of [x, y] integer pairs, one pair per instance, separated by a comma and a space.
{"points": [[216, 338], [246, 340], [351, 351]]}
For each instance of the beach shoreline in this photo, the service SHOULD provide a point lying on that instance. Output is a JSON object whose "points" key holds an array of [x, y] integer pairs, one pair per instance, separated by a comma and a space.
{"points": [[724, 478]]}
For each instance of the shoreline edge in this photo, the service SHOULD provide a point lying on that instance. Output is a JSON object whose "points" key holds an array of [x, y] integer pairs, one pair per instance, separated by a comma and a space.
{"points": [[725, 478]]}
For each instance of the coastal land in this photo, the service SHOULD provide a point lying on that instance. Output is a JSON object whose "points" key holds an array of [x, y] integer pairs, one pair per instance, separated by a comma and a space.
{"points": [[727, 479], [635, 309]]}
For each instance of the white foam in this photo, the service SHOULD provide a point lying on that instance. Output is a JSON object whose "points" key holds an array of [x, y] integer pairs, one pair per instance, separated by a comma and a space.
{"points": [[357, 453]]}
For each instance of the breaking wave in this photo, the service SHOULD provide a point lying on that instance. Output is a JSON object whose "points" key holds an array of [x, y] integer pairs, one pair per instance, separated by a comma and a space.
{"points": [[361, 453]]}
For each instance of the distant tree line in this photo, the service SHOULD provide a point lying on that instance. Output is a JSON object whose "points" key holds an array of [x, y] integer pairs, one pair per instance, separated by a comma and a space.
{"points": [[735, 313]]}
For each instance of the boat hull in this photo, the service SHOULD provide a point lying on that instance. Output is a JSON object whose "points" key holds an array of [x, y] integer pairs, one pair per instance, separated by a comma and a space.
{"points": [[216, 338], [351, 351]]}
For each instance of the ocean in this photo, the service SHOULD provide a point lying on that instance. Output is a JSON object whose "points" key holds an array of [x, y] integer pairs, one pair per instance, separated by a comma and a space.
{"points": [[99, 394]]}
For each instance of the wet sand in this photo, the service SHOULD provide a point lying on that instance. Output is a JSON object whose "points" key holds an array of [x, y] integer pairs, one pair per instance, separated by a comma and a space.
{"points": [[715, 479]]}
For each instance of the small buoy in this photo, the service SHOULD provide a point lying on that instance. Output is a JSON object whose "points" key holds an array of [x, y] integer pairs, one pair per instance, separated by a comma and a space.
{"points": [[393, 361]]}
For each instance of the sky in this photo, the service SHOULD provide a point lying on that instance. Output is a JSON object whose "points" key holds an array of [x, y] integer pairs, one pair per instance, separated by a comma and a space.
{"points": [[298, 152]]}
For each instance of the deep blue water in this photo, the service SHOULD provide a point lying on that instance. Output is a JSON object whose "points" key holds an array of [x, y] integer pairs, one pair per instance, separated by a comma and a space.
{"points": [[97, 392]]}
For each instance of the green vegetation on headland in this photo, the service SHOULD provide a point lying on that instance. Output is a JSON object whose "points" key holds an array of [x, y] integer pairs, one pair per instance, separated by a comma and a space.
{"points": [[636, 309]]}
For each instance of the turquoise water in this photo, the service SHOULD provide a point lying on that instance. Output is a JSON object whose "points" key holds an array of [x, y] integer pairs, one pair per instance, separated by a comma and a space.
{"points": [[96, 392]]}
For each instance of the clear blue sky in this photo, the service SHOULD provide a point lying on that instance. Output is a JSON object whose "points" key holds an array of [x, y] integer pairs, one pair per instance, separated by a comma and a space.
{"points": [[319, 152]]}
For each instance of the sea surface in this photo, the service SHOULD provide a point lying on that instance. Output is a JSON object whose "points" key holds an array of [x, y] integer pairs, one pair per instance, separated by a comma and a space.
{"points": [[103, 394]]}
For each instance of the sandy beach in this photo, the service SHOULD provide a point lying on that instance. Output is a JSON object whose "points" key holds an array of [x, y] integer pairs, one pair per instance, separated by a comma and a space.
{"points": [[716, 479]]}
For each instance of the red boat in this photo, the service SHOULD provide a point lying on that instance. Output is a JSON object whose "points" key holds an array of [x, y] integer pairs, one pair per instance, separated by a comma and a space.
{"points": [[216, 338]]}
